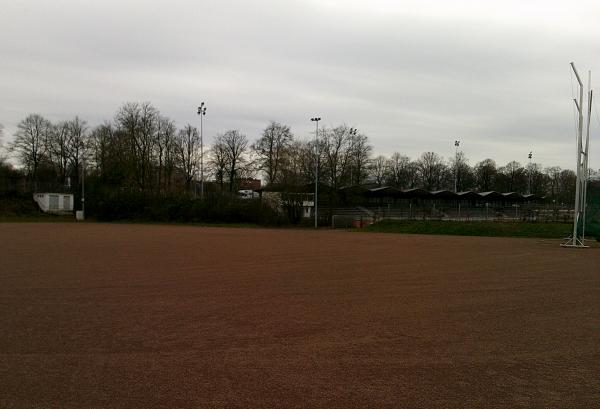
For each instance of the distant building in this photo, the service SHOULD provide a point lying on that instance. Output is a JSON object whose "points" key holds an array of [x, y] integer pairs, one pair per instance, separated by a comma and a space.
{"points": [[57, 203], [248, 194], [249, 184]]}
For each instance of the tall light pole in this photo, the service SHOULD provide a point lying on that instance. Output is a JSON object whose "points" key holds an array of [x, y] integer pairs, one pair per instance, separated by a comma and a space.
{"points": [[352, 132], [316, 120], [456, 145], [529, 156], [201, 112], [83, 188]]}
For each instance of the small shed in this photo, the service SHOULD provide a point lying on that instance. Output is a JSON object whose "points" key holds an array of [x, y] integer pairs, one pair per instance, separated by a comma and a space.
{"points": [[57, 203]]}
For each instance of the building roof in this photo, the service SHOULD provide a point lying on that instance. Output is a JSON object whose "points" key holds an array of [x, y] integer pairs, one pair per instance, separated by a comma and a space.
{"points": [[514, 196], [384, 191], [468, 195], [444, 194], [492, 195], [416, 193], [374, 191]]}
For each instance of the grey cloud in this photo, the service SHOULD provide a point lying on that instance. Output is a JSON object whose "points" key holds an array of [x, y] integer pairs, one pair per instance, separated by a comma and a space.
{"points": [[411, 82]]}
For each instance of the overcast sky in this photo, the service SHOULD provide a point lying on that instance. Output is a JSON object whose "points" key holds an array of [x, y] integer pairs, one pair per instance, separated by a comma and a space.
{"points": [[412, 75]]}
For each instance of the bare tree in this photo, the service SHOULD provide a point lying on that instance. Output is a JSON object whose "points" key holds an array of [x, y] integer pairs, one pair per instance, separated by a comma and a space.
{"points": [[30, 144], [165, 151], [236, 146], [379, 169], [188, 153], [271, 150], [512, 178], [485, 175], [537, 180], [1, 137], [137, 123], [58, 149], [2, 157], [217, 161], [461, 171], [568, 179], [300, 164], [360, 154], [336, 150], [431, 170], [79, 146], [402, 173], [553, 175], [102, 141]]}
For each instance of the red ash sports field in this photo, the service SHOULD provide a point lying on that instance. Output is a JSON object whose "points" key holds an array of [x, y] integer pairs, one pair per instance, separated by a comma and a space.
{"points": [[143, 316]]}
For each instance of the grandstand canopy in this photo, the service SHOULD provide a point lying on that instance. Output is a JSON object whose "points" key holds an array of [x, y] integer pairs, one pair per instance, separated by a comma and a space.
{"points": [[385, 191], [444, 194], [513, 196], [468, 195], [492, 196], [417, 193]]}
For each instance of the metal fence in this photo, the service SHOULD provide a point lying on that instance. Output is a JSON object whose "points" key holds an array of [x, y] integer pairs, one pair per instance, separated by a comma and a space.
{"points": [[348, 217], [514, 212]]}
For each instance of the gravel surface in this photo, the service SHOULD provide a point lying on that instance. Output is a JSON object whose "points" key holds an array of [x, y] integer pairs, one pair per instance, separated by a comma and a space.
{"points": [[152, 316]]}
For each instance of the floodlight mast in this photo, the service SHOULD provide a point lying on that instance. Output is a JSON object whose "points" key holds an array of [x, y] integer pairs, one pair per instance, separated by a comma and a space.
{"points": [[201, 112], [529, 172], [352, 132], [456, 145], [316, 207], [83, 187]]}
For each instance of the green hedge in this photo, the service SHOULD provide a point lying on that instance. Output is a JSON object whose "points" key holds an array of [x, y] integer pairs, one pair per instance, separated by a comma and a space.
{"points": [[215, 208], [18, 204]]}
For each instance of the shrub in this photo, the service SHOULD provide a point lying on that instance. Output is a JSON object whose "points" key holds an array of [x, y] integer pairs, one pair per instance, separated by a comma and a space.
{"points": [[114, 205]]}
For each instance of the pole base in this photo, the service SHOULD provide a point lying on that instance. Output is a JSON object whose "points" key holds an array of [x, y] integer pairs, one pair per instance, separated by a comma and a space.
{"points": [[577, 243]]}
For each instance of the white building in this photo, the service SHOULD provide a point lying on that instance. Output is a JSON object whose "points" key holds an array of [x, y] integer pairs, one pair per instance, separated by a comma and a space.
{"points": [[57, 203], [248, 194]]}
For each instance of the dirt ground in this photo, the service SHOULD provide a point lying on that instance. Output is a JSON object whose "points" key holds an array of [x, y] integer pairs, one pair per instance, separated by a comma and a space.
{"points": [[146, 316]]}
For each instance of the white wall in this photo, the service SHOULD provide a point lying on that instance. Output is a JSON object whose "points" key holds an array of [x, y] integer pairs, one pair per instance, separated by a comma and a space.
{"points": [[54, 202]]}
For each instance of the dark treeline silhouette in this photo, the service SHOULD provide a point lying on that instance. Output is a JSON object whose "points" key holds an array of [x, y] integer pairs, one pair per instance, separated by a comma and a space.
{"points": [[141, 156]]}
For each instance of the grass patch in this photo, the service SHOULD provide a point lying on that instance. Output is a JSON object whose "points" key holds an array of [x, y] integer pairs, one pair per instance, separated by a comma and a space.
{"points": [[473, 228]]}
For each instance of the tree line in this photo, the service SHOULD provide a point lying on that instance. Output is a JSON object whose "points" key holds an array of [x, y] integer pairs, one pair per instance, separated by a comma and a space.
{"points": [[141, 149]]}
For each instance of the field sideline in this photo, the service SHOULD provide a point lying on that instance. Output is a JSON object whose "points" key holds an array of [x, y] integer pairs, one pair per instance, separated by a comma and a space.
{"points": [[156, 316]]}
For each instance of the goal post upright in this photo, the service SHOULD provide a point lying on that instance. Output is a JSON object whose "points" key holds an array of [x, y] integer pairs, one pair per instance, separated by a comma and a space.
{"points": [[586, 154], [578, 240]]}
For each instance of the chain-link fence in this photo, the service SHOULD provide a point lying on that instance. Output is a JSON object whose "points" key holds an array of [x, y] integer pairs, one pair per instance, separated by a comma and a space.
{"points": [[357, 217], [592, 214], [458, 212]]}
